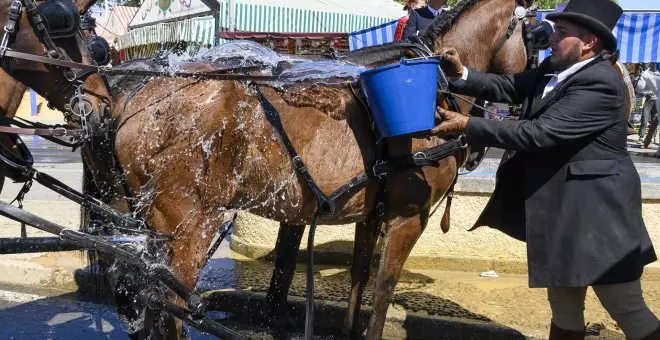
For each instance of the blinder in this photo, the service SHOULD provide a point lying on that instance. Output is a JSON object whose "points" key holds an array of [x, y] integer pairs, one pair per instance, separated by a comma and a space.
{"points": [[60, 17], [99, 50], [539, 33]]}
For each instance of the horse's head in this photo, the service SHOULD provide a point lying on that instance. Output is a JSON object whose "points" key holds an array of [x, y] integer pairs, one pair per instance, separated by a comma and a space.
{"points": [[52, 29], [497, 36], [490, 35]]}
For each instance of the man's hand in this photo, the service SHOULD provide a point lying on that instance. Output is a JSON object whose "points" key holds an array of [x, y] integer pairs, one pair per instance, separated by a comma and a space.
{"points": [[450, 122], [451, 62]]}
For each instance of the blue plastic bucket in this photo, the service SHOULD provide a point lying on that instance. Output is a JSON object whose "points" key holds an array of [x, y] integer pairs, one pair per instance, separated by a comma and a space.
{"points": [[402, 96]]}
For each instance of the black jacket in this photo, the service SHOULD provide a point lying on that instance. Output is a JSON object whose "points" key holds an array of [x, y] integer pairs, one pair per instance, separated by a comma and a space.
{"points": [[418, 20], [566, 184]]}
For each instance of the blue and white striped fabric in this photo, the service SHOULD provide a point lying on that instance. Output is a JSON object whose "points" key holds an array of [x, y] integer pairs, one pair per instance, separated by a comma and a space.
{"points": [[372, 36], [637, 35]]}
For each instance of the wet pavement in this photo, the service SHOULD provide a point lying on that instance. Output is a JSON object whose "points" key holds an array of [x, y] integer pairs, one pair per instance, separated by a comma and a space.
{"points": [[427, 304]]}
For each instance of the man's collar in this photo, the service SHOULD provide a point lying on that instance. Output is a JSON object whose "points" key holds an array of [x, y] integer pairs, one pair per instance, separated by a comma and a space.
{"points": [[569, 71], [434, 11]]}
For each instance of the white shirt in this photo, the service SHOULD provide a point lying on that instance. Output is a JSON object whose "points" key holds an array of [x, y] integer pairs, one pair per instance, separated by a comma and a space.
{"points": [[558, 78], [434, 11]]}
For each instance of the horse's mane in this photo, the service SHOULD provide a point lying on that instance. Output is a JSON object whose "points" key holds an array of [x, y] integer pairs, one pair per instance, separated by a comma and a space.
{"points": [[445, 20], [391, 51], [374, 54]]}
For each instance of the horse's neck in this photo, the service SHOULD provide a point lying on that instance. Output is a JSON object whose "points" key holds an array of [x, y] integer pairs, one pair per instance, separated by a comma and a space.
{"points": [[13, 93]]}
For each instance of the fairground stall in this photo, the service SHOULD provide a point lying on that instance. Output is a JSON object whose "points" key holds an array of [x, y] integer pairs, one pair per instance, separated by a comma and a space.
{"points": [[193, 25], [162, 25]]}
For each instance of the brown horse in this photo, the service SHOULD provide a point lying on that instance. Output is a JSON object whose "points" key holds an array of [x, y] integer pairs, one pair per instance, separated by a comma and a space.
{"points": [[13, 91], [192, 149], [50, 81], [474, 28]]}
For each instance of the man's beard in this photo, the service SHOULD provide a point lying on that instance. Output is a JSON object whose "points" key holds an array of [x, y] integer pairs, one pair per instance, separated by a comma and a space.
{"points": [[571, 58]]}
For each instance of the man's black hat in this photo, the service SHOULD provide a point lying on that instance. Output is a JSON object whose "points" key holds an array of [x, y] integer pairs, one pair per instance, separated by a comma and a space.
{"points": [[597, 16]]}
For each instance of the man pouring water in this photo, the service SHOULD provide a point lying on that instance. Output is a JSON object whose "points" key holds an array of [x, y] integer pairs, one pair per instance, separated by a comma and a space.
{"points": [[567, 185]]}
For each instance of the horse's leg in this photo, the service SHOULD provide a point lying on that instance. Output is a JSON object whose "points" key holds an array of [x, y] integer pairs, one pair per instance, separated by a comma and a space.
{"points": [[399, 241], [286, 249], [366, 234], [180, 214]]}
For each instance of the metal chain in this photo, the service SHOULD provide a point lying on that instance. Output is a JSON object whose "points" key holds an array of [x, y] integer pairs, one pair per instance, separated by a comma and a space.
{"points": [[19, 199]]}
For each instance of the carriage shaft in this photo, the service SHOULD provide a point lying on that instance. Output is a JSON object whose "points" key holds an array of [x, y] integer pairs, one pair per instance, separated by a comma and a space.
{"points": [[22, 245]]}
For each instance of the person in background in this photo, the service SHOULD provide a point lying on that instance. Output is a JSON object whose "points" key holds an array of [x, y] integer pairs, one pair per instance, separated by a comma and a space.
{"points": [[410, 6], [649, 110], [567, 184], [421, 18]]}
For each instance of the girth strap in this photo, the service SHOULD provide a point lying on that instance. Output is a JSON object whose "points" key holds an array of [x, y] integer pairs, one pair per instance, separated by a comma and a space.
{"points": [[428, 157]]}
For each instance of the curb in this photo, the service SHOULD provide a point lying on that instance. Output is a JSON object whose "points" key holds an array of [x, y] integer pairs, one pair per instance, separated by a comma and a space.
{"points": [[26, 271], [329, 316], [29, 274]]}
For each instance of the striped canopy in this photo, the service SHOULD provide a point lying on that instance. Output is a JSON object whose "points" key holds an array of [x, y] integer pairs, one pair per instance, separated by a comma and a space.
{"points": [[637, 35], [116, 23], [264, 17], [377, 35], [198, 30], [144, 42]]}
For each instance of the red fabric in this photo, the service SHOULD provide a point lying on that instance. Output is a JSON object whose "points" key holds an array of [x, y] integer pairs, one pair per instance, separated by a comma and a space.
{"points": [[398, 33]]}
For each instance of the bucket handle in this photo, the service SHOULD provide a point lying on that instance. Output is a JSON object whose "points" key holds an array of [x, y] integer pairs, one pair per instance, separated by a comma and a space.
{"points": [[405, 61]]}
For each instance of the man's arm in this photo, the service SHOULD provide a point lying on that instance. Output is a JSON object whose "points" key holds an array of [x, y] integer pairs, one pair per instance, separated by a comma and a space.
{"points": [[511, 89], [584, 110], [411, 26]]}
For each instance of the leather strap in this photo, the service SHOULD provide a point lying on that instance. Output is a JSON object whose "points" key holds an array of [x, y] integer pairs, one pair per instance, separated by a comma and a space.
{"points": [[53, 132], [47, 60]]}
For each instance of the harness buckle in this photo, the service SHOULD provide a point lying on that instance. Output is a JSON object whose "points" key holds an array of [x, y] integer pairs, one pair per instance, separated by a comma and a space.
{"points": [[380, 209], [462, 140], [58, 130], [419, 155], [376, 173]]}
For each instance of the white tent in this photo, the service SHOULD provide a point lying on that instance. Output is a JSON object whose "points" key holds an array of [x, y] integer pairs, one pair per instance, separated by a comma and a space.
{"points": [[116, 23]]}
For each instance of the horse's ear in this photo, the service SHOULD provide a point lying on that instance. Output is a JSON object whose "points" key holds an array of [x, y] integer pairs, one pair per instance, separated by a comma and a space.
{"points": [[83, 5]]}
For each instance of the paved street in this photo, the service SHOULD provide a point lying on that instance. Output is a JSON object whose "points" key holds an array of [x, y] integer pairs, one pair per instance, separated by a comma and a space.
{"points": [[52, 315], [49, 315]]}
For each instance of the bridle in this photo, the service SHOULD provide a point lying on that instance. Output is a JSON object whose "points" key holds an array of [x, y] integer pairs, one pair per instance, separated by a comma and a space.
{"points": [[78, 106], [526, 16]]}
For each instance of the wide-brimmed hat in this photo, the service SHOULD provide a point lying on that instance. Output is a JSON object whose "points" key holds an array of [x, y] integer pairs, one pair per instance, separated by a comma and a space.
{"points": [[597, 16]]}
